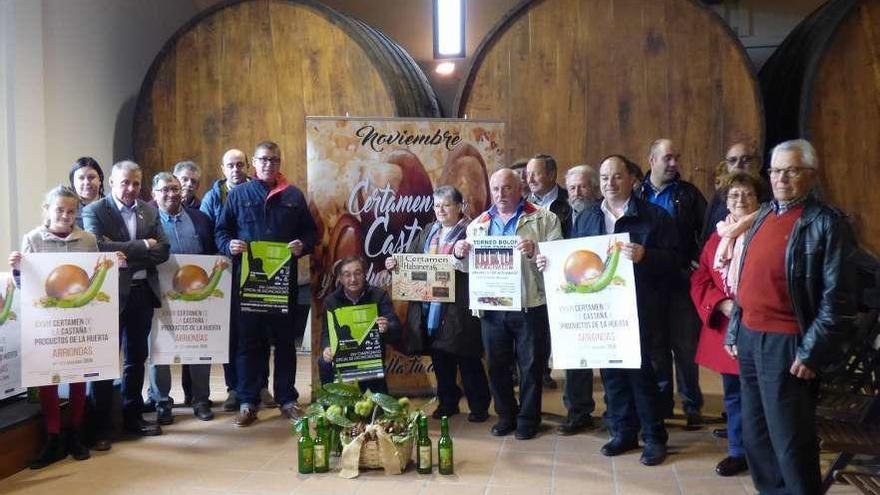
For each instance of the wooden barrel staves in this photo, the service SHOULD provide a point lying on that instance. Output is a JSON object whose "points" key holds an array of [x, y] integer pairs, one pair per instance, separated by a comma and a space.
{"points": [[822, 84], [582, 79], [252, 70]]}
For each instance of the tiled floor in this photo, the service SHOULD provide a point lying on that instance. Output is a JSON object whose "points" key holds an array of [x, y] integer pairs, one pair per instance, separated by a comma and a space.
{"points": [[195, 457]]}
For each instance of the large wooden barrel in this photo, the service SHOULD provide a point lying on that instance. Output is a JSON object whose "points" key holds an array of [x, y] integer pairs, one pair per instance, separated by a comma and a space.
{"points": [[822, 84], [582, 79], [247, 71]]}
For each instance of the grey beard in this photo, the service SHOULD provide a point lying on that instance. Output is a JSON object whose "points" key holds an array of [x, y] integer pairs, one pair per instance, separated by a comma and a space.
{"points": [[578, 204]]}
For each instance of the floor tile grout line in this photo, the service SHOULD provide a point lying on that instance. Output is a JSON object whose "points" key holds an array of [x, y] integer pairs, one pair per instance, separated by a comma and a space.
{"points": [[554, 465], [495, 465]]}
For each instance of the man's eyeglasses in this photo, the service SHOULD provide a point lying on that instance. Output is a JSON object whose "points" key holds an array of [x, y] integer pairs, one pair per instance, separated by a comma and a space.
{"points": [[168, 190], [741, 196], [744, 160], [788, 173], [266, 160]]}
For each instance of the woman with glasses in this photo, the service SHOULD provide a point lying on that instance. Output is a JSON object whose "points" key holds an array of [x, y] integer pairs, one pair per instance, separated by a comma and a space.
{"points": [[742, 157], [453, 334], [713, 288]]}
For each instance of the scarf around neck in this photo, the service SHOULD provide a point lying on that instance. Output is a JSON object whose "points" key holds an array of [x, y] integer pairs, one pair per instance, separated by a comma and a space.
{"points": [[730, 249]]}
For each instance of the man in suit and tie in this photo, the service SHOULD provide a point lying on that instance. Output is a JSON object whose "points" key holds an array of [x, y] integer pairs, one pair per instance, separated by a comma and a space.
{"points": [[122, 222]]}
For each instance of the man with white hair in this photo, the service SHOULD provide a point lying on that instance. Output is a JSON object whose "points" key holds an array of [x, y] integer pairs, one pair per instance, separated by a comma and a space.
{"points": [[122, 222], [794, 308], [582, 184], [190, 175]]}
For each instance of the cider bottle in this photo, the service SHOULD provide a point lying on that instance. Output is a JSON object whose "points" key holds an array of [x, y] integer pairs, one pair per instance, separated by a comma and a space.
{"points": [[423, 453], [322, 450], [306, 449], [444, 448]]}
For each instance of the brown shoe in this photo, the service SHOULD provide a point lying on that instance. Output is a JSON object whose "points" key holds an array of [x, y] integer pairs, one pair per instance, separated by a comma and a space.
{"points": [[246, 417]]}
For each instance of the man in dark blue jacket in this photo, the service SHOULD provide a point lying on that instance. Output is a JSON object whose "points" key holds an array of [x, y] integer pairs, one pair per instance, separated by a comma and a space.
{"points": [[234, 166], [631, 394], [266, 209]]}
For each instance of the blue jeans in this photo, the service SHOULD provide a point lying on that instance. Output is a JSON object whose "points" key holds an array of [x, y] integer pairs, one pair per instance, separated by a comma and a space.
{"points": [[778, 415], [733, 406], [255, 332], [515, 337]]}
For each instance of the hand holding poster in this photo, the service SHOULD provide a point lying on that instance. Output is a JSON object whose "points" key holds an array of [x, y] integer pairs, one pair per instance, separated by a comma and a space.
{"points": [[423, 277], [591, 303], [355, 342], [192, 326], [70, 318], [10, 337], [495, 274], [265, 278]]}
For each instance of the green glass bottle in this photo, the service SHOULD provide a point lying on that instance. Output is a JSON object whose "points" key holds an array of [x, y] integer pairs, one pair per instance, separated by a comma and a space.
{"points": [[322, 448], [306, 449], [423, 452], [444, 448]]}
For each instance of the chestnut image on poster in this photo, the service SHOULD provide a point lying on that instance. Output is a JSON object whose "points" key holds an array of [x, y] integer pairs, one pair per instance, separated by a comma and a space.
{"points": [[585, 272], [192, 283], [69, 286]]}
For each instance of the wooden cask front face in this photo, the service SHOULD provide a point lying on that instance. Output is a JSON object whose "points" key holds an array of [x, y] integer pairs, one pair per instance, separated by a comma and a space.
{"points": [[249, 72], [582, 79], [842, 119]]}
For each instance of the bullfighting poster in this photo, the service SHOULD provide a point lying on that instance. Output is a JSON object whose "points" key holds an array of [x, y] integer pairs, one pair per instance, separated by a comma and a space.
{"points": [[192, 326], [591, 302], [10, 337], [370, 184], [70, 318]]}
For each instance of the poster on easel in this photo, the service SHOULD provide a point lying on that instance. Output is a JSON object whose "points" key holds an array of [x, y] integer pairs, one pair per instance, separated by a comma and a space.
{"points": [[70, 318], [370, 189]]}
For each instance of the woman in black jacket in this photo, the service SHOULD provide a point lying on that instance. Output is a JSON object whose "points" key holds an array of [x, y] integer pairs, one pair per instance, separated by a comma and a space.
{"points": [[453, 333]]}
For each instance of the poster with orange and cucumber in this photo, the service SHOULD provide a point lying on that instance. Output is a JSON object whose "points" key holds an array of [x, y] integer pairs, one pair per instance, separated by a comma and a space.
{"points": [[192, 326], [10, 337], [591, 303], [69, 318]]}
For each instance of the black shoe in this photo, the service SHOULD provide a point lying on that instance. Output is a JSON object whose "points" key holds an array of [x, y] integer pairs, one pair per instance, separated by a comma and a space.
{"points": [[617, 447], [187, 401], [526, 433], [502, 428], [549, 382], [478, 417], [719, 433], [53, 451], [141, 427], [203, 411], [573, 426], [149, 406], [164, 416], [653, 454], [442, 411], [694, 421], [76, 447], [231, 402], [102, 444], [731, 466]]}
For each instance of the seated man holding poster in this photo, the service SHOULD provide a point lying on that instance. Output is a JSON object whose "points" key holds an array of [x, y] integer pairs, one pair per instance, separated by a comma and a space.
{"points": [[360, 321], [631, 394]]}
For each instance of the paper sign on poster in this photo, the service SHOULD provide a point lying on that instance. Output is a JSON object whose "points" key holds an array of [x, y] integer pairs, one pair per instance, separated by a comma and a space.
{"points": [[423, 277], [10, 337], [495, 270]]}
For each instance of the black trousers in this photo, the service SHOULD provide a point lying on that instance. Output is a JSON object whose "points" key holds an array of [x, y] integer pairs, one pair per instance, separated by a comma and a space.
{"points": [[675, 341], [255, 333], [134, 334], [631, 397], [515, 337], [577, 394], [778, 415], [473, 378]]}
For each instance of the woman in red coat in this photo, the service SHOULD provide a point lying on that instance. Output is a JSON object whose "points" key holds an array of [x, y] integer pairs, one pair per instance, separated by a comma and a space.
{"points": [[713, 286]]}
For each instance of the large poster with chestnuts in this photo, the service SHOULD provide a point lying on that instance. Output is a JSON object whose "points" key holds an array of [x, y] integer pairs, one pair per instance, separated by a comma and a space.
{"points": [[70, 318], [370, 184]]}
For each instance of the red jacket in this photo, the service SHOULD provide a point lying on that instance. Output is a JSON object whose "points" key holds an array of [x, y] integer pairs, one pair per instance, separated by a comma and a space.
{"points": [[707, 290]]}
